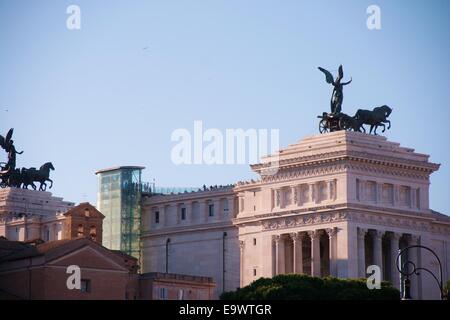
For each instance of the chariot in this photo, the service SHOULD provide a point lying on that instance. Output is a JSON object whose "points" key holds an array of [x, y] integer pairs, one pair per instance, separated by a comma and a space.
{"points": [[334, 122]]}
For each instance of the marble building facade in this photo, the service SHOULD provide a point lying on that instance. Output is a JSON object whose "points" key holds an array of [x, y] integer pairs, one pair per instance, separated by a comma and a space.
{"points": [[28, 215], [331, 204]]}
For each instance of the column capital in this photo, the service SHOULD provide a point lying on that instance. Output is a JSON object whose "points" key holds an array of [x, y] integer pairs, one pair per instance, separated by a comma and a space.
{"points": [[414, 239], [277, 238], [377, 234], [332, 232], [295, 236], [362, 232], [395, 236], [314, 234]]}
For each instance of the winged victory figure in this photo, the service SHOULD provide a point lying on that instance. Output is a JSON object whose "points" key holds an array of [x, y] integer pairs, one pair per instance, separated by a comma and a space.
{"points": [[337, 96], [8, 145]]}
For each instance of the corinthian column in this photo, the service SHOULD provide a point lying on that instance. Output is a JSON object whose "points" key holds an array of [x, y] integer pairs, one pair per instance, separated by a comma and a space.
{"points": [[332, 250], [413, 255], [394, 246], [377, 250], [297, 253], [315, 252], [362, 252], [241, 249], [279, 254]]}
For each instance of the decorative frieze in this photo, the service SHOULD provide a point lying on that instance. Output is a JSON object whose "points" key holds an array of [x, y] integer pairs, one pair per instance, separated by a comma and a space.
{"points": [[398, 222], [307, 219], [363, 218]]}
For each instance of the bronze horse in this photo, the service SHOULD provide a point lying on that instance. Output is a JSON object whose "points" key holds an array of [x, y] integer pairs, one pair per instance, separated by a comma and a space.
{"points": [[31, 175], [375, 118], [26, 177], [347, 122]]}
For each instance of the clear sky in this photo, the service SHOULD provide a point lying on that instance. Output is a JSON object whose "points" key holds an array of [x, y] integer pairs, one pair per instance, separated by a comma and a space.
{"points": [[113, 92]]}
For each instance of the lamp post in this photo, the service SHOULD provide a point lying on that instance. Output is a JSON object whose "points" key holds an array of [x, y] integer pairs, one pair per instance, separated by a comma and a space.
{"points": [[167, 255], [223, 261], [403, 267]]}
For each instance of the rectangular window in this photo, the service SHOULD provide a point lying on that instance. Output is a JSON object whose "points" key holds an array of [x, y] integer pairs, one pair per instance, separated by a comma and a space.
{"points": [[254, 272], [157, 217], [85, 285], [163, 293], [254, 241], [211, 210], [225, 205], [183, 213]]}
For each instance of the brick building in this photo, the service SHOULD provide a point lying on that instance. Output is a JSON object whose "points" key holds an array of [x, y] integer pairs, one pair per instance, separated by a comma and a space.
{"points": [[83, 220], [38, 271]]}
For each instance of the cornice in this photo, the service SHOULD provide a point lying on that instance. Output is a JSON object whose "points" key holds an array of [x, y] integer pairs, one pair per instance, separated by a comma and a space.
{"points": [[338, 166], [347, 155], [185, 197]]}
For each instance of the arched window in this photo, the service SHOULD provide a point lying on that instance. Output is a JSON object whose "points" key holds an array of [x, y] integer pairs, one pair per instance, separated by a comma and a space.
{"points": [[93, 233], [80, 232]]}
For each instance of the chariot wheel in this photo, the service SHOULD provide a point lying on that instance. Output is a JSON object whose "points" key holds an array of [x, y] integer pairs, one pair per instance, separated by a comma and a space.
{"points": [[323, 126]]}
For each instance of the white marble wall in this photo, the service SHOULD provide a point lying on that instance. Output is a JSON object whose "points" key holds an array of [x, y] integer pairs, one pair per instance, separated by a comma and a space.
{"points": [[345, 184], [197, 243]]}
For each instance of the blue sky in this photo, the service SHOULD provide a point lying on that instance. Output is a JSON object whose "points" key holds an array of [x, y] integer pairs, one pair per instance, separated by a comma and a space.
{"points": [[113, 92]]}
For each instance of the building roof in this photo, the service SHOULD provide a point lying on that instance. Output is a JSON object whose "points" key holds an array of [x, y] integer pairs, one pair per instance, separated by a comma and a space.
{"points": [[79, 210], [440, 216], [8, 248], [338, 146], [16, 250], [118, 168]]}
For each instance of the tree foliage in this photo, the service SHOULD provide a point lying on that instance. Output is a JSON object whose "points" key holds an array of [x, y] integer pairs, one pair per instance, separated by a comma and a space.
{"points": [[304, 287]]}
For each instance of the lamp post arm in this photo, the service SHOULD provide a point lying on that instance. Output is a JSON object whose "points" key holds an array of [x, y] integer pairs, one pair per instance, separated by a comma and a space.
{"points": [[415, 270]]}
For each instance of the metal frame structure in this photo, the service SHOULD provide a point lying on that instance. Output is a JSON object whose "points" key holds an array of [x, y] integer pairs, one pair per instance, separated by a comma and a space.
{"points": [[119, 199]]}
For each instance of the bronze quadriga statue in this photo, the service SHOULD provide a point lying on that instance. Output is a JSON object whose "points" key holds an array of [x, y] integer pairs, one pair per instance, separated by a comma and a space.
{"points": [[337, 120], [10, 176]]}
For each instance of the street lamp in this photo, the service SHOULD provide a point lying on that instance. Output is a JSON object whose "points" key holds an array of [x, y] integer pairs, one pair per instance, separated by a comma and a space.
{"points": [[223, 261], [404, 266]]}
